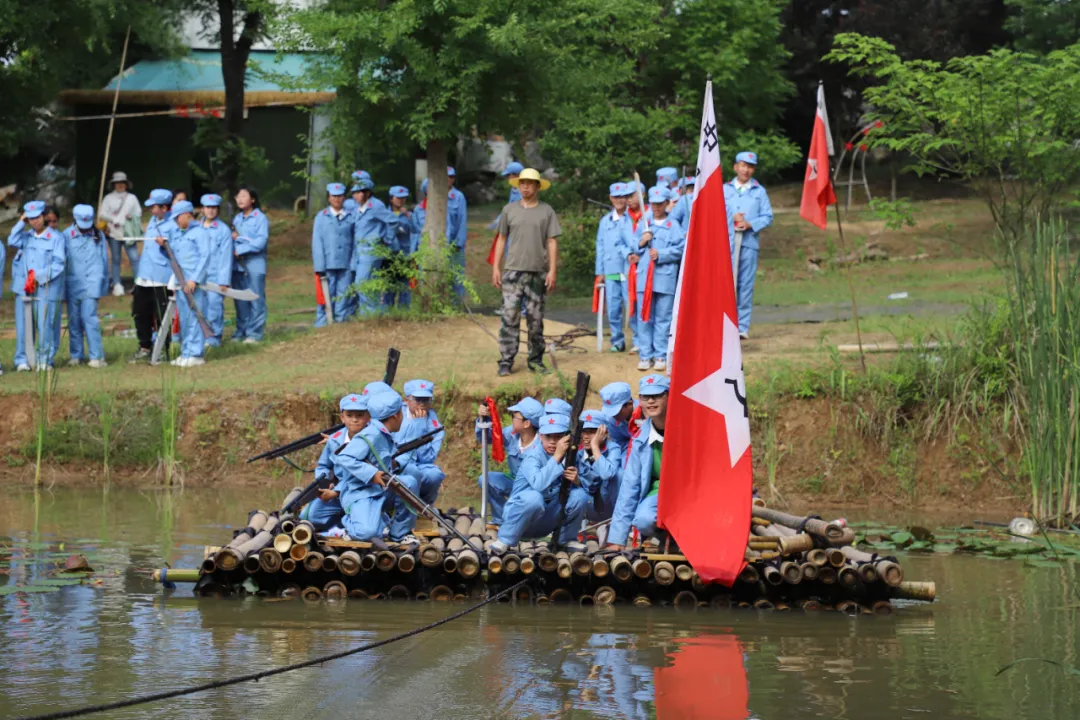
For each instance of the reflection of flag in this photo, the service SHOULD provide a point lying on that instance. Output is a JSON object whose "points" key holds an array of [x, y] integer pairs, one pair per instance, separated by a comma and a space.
{"points": [[706, 679], [817, 192], [706, 479]]}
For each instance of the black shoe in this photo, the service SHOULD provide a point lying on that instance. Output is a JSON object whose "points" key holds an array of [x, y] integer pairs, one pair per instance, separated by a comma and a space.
{"points": [[504, 370], [540, 369]]}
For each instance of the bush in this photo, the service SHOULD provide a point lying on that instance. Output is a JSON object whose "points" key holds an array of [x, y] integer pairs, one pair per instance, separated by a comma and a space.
{"points": [[577, 251]]}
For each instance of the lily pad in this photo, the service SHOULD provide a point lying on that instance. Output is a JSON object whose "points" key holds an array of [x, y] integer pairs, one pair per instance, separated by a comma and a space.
{"points": [[12, 589], [902, 539]]}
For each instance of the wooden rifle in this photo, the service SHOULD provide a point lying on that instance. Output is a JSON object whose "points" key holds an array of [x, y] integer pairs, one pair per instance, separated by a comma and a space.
{"points": [[577, 407]]}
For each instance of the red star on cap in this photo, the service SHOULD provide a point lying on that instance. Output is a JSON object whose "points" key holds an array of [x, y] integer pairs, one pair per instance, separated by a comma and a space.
{"points": [[423, 386], [649, 381], [588, 418], [365, 392], [551, 421], [352, 399]]}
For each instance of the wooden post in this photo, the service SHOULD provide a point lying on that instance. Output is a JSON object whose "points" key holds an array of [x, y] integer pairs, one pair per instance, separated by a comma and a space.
{"points": [[112, 120]]}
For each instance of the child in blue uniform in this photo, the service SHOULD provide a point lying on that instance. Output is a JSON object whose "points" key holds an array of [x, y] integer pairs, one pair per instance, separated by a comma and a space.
{"points": [[86, 281], [325, 511], [517, 439], [190, 243], [619, 406], [374, 226], [614, 245], [750, 212], [664, 249], [332, 254], [39, 250], [251, 233], [599, 461], [420, 420], [405, 240], [221, 265]]}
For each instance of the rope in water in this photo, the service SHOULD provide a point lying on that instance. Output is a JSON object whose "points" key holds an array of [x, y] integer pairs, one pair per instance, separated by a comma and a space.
{"points": [[143, 699]]}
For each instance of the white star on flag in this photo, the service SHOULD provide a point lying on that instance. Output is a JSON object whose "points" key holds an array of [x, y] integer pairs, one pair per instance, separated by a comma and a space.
{"points": [[724, 392]]}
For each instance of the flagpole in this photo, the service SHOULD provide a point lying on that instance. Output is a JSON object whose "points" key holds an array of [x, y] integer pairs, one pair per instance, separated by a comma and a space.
{"points": [[851, 286]]}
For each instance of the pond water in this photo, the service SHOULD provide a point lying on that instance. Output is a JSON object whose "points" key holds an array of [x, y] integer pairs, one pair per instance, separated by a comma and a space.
{"points": [[124, 635]]}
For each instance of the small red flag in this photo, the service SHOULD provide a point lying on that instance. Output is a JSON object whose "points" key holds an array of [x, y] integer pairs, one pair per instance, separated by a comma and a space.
{"points": [[491, 253], [319, 299], [646, 296], [597, 284], [31, 283], [498, 451], [175, 323], [818, 192]]}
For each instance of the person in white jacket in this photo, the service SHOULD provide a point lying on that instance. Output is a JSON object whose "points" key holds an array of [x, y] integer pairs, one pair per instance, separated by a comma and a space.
{"points": [[121, 214]]}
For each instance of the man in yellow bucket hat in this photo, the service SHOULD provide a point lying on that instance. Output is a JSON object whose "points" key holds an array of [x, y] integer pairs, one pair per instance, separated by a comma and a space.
{"points": [[528, 238]]}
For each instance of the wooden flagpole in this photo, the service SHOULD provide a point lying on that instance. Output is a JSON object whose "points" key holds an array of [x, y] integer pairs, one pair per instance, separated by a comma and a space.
{"points": [[112, 118]]}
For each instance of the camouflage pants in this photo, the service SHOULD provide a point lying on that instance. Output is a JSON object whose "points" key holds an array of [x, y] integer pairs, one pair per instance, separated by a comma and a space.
{"points": [[515, 286]]}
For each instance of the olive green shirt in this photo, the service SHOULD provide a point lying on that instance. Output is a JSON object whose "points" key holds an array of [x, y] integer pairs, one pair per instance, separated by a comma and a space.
{"points": [[527, 231]]}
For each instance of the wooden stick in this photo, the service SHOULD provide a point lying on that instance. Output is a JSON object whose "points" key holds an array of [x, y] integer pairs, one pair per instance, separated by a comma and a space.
{"points": [[112, 118]]}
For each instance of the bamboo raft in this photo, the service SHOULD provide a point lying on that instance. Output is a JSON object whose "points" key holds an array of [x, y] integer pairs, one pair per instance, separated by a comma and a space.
{"points": [[793, 562]]}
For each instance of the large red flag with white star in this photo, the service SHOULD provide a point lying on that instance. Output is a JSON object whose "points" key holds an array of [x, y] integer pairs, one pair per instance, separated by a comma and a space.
{"points": [[706, 480], [818, 193]]}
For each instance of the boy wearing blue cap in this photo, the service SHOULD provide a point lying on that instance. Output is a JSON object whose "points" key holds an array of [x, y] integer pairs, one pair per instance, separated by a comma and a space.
{"points": [[457, 211], [419, 420], [190, 244], [749, 212], [599, 462], [663, 243], [363, 470], [374, 226], [533, 509], [38, 278], [151, 295], [512, 171], [614, 245], [332, 254], [251, 233], [405, 241], [557, 406], [221, 265], [86, 281], [667, 177], [325, 511], [517, 439], [618, 406], [639, 484], [680, 213]]}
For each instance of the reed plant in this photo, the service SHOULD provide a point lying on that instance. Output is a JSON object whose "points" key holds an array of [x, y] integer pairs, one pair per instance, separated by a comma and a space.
{"points": [[46, 388], [106, 403], [170, 424]]}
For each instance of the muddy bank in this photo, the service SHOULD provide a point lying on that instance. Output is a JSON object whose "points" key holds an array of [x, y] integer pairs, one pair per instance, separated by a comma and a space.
{"points": [[813, 450]]}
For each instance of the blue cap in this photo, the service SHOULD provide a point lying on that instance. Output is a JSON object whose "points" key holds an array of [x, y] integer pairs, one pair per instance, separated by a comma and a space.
{"points": [[374, 388], [661, 183], [631, 187], [352, 402], [349, 205], [335, 189], [593, 419], [747, 157], [667, 173], [557, 406], [614, 396], [659, 194], [616, 189], [450, 171], [34, 209], [399, 191], [554, 423], [363, 184], [84, 216], [530, 409], [159, 196], [361, 175], [184, 206], [384, 404], [513, 168], [420, 388], [653, 385], [210, 200], [688, 181], [423, 186]]}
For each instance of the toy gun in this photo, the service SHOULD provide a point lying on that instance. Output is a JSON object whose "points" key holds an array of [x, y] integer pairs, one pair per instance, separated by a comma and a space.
{"points": [[207, 331], [577, 408]]}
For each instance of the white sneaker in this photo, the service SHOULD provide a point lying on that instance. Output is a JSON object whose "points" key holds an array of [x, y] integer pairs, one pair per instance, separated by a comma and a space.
{"points": [[178, 362], [660, 366], [118, 290], [193, 361], [644, 365], [744, 335], [22, 367], [251, 341], [98, 364], [635, 349], [409, 539], [74, 362], [498, 547]]}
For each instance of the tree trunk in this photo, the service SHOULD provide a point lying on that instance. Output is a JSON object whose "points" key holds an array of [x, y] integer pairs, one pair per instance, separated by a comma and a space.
{"points": [[234, 57], [438, 190]]}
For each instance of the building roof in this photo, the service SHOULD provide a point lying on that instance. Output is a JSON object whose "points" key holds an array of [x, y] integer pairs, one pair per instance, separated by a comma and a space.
{"points": [[201, 70]]}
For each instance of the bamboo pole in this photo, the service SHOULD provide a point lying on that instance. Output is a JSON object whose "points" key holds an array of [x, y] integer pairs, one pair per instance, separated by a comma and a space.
{"points": [[642, 601], [763, 604], [749, 574], [684, 572], [251, 564], [809, 571], [866, 572], [511, 564], [561, 595], [208, 565], [430, 556], [542, 599], [582, 564], [385, 560], [827, 575], [523, 595], [421, 596], [313, 561], [449, 564], [909, 590], [836, 557], [882, 607], [528, 566], [562, 566], [547, 561], [288, 565], [720, 602], [586, 601], [406, 562], [818, 557], [792, 572], [357, 594], [399, 592], [283, 542], [829, 530], [848, 607], [772, 575], [600, 567], [887, 570], [664, 573], [604, 595], [686, 600], [298, 552], [621, 568], [311, 594], [441, 593], [293, 494], [303, 532], [494, 565], [183, 575], [329, 563], [112, 117], [287, 525], [468, 564], [335, 590], [848, 576], [809, 605], [642, 568], [349, 563]]}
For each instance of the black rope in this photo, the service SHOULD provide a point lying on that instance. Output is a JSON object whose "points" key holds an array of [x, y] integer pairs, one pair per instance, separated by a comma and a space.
{"points": [[295, 466], [143, 699], [805, 520]]}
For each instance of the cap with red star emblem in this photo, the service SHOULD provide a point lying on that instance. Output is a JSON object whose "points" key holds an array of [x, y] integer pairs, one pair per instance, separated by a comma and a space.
{"points": [[593, 419], [653, 385], [420, 388], [353, 402], [554, 424]]}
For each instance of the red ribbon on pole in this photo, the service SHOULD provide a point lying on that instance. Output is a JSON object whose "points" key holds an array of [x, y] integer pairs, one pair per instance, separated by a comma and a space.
{"points": [[498, 451], [31, 283], [597, 284], [319, 299], [646, 301], [491, 253]]}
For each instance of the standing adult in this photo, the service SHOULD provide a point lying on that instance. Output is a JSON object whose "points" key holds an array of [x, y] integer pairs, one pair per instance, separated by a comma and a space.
{"points": [[251, 232], [86, 281], [750, 212], [404, 243], [151, 295], [373, 229], [38, 278], [190, 243], [457, 211], [532, 229], [122, 215]]}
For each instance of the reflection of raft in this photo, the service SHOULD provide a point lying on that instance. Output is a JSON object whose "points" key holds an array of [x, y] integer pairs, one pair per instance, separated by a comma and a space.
{"points": [[792, 562]]}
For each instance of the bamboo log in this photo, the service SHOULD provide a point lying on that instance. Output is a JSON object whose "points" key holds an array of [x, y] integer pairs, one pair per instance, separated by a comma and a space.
{"points": [[882, 607], [720, 602], [421, 596], [511, 564], [449, 563], [604, 595], [298, 552], [772, 575], [696, 582], [763, 604], [468, 564], [406, 562], [289, 591], [910, 590], [642, 568], [523, 595], [867, 572], [586, 601], [827, 575], [229, 557], [829, 530], [743, 605], [375, 596], [287, 525], [547, 561], [335, 590], [684, 572], [542, 599], [476, 528], [313, 561], [582, 564], [494, 565], [802, 542], [430, 556], [848, 607], [848, 576], [887, 570], [528, 566], [792, 572], [293, 494], [358, 594], [329, 563], [208, 565], [561, 595], [642, 601], [563, 566], [399, 592], [780, 606], [621, 568], [686, 600], [441, 593], [385, 560], [749, 574], [348, 563], [455, 545], [664, 573], [438, 543], [809, 571], [760, 545], [311, 594], [463, 523], [303, 532], [367, 562], [288, 565], [600, 567], [818, 556], [282, 543], [809, 605], [183, 575], [836, 557], [251, 564]]}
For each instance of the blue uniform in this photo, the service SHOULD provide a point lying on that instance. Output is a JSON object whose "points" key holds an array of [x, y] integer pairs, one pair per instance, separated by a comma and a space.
{"points": [[533, 508], [323, 514], [635, 506], [753, 202], [86, 281], [668, 240], [457, 212], [154, 266], [249, 273], [44, 254], [220, 271], [600, 478], [332, 254], [501, 484], [420, 463], [614, 243], [681, 212], [638, 229], [405, 240], [192, 250], [365, 502], [374, 225]]}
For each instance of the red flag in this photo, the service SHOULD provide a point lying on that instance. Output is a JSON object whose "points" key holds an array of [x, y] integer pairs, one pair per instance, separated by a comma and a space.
{"points": [[817, 193], [491, 253], [706, 479], [498, 452], [175, 323], [319, 299], [31, 283], [646, 295], [598, 283]]}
